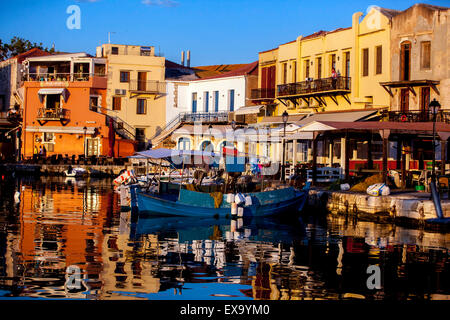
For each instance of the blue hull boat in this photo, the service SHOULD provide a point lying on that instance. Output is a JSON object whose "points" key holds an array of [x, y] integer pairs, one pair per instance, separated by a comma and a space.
{"points": [[198, 204]]}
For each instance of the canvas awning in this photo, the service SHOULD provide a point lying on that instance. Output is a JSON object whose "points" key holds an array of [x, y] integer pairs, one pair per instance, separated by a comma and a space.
{"points": [[46, 91], [350, 116], [248, 110]]}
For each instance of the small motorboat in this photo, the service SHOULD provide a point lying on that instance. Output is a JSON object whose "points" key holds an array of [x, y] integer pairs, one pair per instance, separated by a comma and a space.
{"points": [[76, 172]]}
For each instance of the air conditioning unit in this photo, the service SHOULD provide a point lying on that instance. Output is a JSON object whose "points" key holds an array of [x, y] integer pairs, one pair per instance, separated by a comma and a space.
{"points": [[121, 92]]}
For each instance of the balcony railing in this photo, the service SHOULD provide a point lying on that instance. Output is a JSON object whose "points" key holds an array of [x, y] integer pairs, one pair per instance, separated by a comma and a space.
{"points": [[53, 114], [262, 93], [415, 116], [150, 86], [314, 86], [61, 76]]}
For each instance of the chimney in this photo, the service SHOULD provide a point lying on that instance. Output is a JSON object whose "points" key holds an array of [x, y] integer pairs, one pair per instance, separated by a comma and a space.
{"points": [[188, 58], [182, 58]]}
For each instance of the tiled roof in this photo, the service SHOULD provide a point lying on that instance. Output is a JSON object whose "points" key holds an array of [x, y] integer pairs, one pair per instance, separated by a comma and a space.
{"points": [[215, 70], [35, 52], [244, 69]]}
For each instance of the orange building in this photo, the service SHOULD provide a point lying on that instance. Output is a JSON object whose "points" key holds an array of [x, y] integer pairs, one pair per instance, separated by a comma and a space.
{"points": [[65, 97]]}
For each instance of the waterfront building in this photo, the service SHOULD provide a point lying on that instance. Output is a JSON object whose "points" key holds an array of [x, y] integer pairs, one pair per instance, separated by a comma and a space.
{"points": [[136, 89], [11, 103], [64, 99], [214, 100]]}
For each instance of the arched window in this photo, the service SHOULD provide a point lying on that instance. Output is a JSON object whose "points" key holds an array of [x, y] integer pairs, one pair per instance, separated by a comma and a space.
{"points": [[184, 144], [207, 146]]}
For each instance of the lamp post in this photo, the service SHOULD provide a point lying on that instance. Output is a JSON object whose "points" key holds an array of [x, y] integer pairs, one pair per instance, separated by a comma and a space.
{"points": [[434, 107], [285, 117], [84, 142]]}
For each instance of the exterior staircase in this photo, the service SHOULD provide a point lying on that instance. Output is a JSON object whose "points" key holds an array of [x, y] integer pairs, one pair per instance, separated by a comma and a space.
{"points": [[187, 117], [122, 128]]}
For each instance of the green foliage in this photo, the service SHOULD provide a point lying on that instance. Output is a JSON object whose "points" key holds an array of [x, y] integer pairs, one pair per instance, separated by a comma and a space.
{"points": [[19, 45]]}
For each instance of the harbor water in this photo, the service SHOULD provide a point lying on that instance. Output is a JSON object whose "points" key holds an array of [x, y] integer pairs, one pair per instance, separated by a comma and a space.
{"points": [[62, 238]]}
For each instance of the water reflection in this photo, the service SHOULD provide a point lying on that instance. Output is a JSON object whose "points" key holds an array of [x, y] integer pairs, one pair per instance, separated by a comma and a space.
{"points": [[60, 223]]}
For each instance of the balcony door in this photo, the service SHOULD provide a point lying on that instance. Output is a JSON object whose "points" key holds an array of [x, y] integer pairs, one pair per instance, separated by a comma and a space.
{"points": [[405, 61], [142, 81], [93, 147], [404, 100]]}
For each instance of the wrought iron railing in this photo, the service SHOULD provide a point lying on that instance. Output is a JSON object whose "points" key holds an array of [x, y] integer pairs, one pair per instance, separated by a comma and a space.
{"points": [[415, 116], [314, 86], [53, 114], [150, 86], [262, 93], [61, 76]]}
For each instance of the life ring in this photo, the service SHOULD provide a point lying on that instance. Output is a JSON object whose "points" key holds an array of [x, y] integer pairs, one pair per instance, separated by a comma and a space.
{"points": [[403, 118]]}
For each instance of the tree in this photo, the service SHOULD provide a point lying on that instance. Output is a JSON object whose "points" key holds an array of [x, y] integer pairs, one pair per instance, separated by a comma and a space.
{"points": [[19, 45]]}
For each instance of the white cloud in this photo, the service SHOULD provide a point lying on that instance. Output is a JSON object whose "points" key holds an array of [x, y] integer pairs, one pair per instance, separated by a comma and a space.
{"points": [[161, 3]]}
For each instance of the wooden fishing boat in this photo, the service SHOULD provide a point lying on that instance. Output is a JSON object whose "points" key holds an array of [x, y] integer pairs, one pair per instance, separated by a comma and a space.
{"points": [[182, 201], [198, 204]]}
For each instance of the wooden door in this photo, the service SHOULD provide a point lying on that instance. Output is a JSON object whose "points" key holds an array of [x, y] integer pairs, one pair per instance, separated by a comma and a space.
{"points": [[405, 61], [142, 81], [404, 100]]}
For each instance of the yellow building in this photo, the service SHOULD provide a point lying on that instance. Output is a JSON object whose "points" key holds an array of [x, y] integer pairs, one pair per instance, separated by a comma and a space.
{"points": [[136, 88], [298, 75]]}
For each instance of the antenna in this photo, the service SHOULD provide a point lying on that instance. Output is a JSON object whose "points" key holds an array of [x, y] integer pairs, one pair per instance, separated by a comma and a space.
{"points": [[109, 36]]}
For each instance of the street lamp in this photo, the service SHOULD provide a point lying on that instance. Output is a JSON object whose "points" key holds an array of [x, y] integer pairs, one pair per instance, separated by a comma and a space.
{"points": [[434, 108], [285, 117]]}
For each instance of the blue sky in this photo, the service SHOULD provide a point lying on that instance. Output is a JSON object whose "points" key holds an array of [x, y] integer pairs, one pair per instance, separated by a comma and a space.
{"points": [[216, 31]]}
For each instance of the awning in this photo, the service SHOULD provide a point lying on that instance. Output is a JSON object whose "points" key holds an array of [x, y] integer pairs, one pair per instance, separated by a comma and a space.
{"points": [[350, 116], [61, 91], [248, 110]]}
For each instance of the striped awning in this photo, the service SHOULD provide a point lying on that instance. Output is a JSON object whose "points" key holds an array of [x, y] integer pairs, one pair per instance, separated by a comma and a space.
{"points": [[46, 91]]}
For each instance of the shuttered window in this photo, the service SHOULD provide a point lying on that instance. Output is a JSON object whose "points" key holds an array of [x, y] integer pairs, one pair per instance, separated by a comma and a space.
{"points": [[425, 55], [365, 62], [379, 57], [116, 103]]}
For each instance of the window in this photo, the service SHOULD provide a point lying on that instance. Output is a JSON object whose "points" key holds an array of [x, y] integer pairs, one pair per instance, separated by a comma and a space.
{"points": [[284, 73], [206, 101], [93, 104], [194, 102], [207, 146], [53, 101], [306, 69], [49, 136], [124, 76], [319, 68], [184, 144], [294, 72], [405, 60], [379, 60], [114, 50], [404, 100], [141, 106], [117, 103], [332, 63], [216, 101], [365, 62], [425, 99], [347, 64], [99, 70], [140, 134], [425, 54], [231, 100]]}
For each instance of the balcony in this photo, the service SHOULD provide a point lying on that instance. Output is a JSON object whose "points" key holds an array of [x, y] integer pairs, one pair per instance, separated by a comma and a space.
{"points": [[50, 77], [415, 116], [58, 114], [149, 87], [314, 86], [262, 94]]}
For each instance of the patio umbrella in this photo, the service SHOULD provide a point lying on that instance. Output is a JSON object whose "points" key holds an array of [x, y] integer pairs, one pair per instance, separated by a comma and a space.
{"points": [[111, 138]]}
